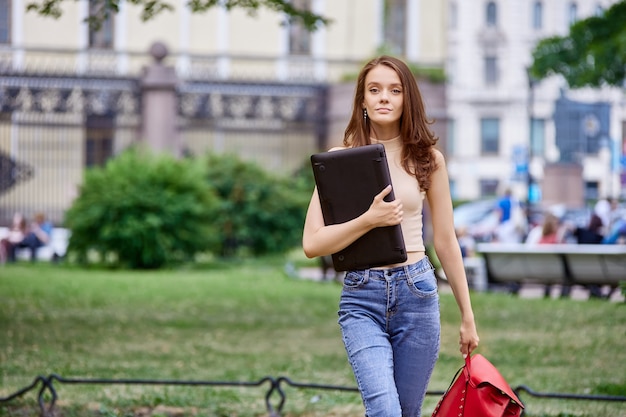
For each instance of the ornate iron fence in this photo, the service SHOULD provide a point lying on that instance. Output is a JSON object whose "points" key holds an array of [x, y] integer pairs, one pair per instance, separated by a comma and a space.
{"points": [[55, 125]]}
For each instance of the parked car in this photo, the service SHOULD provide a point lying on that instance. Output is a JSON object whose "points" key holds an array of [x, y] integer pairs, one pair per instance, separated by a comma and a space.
{"points": [[479, 218]]}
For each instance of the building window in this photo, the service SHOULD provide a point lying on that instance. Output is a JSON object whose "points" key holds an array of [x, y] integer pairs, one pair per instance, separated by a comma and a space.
{"points": [[99, 143], [489, 136], [101, 38], [395, 26], [599, 10], [299, 36], [488, 187], [537, 15], [453, 18], [491, 70], [5, 21], [492, 14], [572, 13], [592, 190], [450, 137], [451, 72], [537, 136]]}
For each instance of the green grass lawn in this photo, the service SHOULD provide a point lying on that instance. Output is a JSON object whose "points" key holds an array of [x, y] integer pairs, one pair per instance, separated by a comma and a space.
{"points": [[247, 320]]}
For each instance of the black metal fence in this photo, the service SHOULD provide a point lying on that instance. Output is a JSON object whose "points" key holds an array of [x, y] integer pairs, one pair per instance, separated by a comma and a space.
{"points": [[52, 128], [55, 126], [275, 396]]}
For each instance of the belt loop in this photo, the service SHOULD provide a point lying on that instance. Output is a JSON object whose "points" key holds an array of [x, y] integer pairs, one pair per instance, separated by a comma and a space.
{"points": [[432, 267]]}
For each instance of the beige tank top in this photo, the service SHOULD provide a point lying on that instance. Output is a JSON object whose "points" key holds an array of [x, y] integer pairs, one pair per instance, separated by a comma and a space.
{"points": [[407, 189]]}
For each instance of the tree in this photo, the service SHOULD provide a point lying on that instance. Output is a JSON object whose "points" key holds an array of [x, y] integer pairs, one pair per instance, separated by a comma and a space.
{"points": [[103, 9], [592, 54]]}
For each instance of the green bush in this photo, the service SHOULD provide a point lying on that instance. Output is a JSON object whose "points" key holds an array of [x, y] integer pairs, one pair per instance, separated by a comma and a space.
{"points": [[142, 211], [260, 213], [147, 211]]}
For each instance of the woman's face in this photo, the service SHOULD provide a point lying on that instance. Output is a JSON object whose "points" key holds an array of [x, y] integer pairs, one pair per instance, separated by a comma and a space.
{"points": [[384, 96]]}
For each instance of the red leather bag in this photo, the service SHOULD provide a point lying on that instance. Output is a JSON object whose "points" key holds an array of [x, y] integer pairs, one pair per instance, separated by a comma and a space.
{"points": [[478, 390]]}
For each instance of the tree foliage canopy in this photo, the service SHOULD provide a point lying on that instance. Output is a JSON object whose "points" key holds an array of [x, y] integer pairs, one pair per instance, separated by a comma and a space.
{"points": [[593, 54], [103, 9]]}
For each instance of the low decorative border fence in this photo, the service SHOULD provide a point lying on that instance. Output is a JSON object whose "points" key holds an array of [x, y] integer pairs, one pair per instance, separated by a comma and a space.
{"points": [[46, 384]]}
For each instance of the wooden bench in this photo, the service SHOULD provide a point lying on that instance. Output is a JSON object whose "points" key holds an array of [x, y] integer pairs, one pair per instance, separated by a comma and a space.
{"points": [[59, 240], [564, 264]]}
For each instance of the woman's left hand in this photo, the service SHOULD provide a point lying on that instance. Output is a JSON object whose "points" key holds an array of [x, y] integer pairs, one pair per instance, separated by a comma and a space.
{"points": [[468, 340]]}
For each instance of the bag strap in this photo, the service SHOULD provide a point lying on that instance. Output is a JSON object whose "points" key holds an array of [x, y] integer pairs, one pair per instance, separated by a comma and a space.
{"points": [[454, 378], [447, 391], [466, 368]]}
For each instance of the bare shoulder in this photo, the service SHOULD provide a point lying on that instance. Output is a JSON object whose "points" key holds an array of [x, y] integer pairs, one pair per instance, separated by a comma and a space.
{"points": [[440, 160]]}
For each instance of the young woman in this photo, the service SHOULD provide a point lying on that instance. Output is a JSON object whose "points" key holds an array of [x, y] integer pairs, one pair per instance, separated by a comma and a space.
{"points": [[16, 234], [389, 316]]}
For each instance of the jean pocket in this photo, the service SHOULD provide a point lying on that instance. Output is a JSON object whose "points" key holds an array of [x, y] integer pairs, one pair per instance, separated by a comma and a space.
{"points": [[354, 279], [423, 284]]}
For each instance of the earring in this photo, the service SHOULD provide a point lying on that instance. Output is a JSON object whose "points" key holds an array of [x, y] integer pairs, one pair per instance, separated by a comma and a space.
{"points": [[364, 114]]}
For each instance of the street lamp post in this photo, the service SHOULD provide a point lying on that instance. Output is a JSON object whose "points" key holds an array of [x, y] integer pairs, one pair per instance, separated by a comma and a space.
{"points": [[531, 136]]}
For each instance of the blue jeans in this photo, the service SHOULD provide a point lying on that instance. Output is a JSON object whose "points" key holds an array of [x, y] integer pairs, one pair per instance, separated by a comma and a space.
{"points": [[32, 242], [389, 320]]}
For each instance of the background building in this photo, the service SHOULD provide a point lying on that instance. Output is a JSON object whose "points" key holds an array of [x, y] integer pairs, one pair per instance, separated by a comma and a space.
{"points": [[503, 126], [225, 45], [266, 89], [259, 86]]}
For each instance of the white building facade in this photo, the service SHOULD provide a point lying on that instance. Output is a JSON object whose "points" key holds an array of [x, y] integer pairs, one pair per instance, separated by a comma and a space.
{"points": [[491, 103], [226, 44], [485, 46]]}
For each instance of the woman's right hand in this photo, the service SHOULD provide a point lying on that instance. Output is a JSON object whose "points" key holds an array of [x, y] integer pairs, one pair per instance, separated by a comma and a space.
{"points": [[384, 213], [319, 239]]}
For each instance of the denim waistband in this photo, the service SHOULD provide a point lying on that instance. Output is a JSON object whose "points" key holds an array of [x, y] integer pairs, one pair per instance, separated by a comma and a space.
{"points": [[418, 267]]}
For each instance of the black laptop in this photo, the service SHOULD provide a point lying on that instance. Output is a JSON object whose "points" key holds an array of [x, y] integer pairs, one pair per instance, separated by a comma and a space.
{"points": [[347, 181]]}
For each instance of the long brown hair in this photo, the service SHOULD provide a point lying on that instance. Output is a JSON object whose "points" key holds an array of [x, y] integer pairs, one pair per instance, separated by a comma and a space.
{"points": [[550, 225], [417, 138]]}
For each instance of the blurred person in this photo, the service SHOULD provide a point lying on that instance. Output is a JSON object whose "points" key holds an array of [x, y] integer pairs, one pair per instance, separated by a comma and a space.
{"points": [[504, 205], [326, 264], [617, 235], [38, 235], [590, 234], [552, 233], [602, 209], [615, 214], [512, 219], [616, 229], [474, 264], [534, 233], [466, 242], [17, 233], [551, 230]]}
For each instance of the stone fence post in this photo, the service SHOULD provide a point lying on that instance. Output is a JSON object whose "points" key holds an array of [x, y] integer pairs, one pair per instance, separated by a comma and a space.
{"points": [[159, 104]]}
